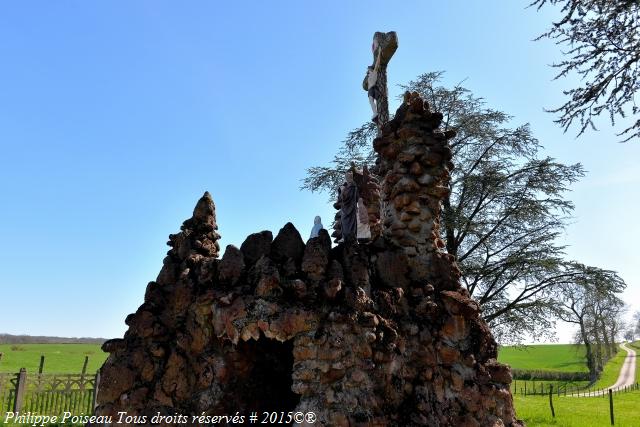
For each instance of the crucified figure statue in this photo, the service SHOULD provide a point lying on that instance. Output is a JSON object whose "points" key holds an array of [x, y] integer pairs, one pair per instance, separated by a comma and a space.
{"points": [[375, 81], [372, 79]]}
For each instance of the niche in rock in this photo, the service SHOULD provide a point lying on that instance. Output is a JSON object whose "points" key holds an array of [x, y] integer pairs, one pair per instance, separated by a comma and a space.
{"points": [[267, 380]]}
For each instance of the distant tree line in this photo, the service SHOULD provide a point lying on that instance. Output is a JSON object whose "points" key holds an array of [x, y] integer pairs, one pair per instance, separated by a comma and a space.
{"points": [[633, 329], [592, 303], [33, 339]]}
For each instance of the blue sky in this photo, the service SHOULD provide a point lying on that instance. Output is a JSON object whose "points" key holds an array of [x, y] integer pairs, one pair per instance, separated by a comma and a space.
{"points": [[116, 116]]}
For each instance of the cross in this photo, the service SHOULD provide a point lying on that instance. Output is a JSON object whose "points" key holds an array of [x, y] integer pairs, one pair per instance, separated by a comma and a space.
{"points": [[375, 81]]}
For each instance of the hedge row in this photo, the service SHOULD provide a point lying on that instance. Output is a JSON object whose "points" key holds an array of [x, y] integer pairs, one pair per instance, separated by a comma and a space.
{"points": [[524, 374]]}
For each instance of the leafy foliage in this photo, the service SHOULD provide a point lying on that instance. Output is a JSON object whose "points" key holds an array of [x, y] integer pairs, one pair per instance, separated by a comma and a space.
{"points": [[356, 148], [603, 40]]}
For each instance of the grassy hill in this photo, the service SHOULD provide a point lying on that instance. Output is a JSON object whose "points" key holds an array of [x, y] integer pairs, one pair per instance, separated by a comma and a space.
{"points": [[59, 358], [545, 357], [570, 411]]}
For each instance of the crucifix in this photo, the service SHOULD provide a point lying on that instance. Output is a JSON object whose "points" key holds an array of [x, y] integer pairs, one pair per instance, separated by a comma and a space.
{"points": [[375, 81]]}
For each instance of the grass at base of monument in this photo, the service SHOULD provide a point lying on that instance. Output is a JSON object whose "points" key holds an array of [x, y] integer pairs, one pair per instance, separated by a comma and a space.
{"points": [[545, 357], [59, 358], [579, 411]]}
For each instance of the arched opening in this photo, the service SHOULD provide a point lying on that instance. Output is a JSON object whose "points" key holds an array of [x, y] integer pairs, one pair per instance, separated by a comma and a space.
{"points": [[267, 380]]}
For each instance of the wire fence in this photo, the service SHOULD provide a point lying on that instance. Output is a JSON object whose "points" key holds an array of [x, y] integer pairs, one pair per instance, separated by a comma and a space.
{"points": [[533, 388], [603, 393]]}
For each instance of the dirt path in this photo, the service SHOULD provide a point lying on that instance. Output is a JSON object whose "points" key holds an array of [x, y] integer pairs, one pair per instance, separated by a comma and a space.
{"points": [[627, 373]]}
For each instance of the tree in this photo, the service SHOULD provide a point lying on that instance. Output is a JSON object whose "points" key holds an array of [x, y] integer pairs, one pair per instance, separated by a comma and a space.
{"points": [[605, 322], [504, 212], [590, 298], [603, 41], [636, 319]]}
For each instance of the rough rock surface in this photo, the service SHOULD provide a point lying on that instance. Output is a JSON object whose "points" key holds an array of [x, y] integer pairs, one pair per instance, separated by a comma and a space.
{"points": [[371, 335], [415, 161]]}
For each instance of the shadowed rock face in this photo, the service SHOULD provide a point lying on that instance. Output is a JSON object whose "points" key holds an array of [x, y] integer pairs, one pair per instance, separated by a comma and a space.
{"points": [[371, 335]]}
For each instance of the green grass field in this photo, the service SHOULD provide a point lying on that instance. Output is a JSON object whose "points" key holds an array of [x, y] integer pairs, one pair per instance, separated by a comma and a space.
{"points": [[579, 411], [561, 357], [547, 357], [59, 358], [636, 346], [534, 410]]}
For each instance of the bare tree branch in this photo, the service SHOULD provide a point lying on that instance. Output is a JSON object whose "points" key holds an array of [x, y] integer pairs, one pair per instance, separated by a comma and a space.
{"points": [[604, 41]]}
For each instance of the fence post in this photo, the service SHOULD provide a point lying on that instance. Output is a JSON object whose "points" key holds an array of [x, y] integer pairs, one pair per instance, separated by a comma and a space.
{"points": [[41, 368], [21, 386], [611, 406], [84, 367], [553, 413], [96, 384]]}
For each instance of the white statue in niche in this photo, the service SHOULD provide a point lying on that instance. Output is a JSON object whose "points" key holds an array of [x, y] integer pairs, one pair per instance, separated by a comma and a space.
{"points": [[364, 231]]}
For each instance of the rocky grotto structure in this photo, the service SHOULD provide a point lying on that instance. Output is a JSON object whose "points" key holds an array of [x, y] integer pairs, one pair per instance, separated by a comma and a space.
{"points": [[377, 334]]}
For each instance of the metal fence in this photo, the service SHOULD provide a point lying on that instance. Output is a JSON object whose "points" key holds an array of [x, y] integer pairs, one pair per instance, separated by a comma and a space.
{"points": [[50, 394]]}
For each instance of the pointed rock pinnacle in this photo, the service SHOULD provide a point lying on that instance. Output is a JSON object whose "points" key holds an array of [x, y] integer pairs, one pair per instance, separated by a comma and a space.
{"points": [[205, 210]]}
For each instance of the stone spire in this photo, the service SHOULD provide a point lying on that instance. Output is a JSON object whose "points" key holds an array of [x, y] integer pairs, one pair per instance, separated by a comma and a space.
{"points": [[194, 248], [153, 334], [415, 161]]}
